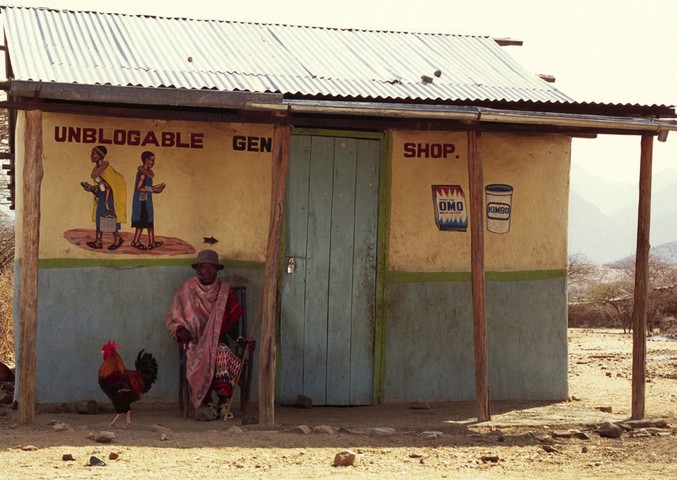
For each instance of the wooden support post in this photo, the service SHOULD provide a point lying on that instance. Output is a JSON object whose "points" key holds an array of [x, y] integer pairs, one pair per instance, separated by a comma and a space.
{"points": [[476, 181], [28, 297], [639, 308], [281, 141]]}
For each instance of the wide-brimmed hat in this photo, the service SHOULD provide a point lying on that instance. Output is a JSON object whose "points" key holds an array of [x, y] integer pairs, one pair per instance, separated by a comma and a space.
{"points": [[208, 256]]}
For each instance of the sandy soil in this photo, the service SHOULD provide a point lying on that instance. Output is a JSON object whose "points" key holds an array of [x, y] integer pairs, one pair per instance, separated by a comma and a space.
{"points": [[522, 440]]}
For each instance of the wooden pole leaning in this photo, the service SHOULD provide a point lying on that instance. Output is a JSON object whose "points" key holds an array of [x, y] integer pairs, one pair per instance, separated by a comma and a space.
{"points": [[267, 347], [245, 356], [28, 298]]}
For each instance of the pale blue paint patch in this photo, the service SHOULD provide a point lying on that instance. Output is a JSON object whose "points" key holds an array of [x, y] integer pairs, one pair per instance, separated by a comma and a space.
{"points": [[429, 349], [428, 343], [527, 339], [79, 309]]}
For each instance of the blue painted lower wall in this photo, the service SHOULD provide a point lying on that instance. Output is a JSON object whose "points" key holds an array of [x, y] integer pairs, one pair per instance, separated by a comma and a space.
{"points": [[80, 309], [429, 349], [427, 336]]}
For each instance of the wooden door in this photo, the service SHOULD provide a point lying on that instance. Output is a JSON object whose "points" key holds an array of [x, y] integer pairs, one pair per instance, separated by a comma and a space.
{"points": [[328, 294]]}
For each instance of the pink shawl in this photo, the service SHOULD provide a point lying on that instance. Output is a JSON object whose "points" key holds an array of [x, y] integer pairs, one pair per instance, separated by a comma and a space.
{"points": [[200, 309]]}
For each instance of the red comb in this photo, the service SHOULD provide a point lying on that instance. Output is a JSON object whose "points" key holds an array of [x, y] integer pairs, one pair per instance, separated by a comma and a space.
{"points": [[109, 347]]}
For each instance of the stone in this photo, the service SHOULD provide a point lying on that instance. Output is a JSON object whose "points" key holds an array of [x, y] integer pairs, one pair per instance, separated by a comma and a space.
{"points": [[67, 457], [431, 434], [383, 431], [60, 427], [303, 429], [113, 456], [324, 429], [646, 423], [304, 402], [104, 437], [609, 430], [605, 409], [354, 431], [89, 407], [345, 458], [489, 458], [640, 433], [96, 462], [562, 434]]}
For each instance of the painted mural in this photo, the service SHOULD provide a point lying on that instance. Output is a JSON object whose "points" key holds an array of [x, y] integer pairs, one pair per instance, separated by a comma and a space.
{"points": [[154, 188], [109, 209], [529, 170], [451, 213], [451, 210], [498, 207]]}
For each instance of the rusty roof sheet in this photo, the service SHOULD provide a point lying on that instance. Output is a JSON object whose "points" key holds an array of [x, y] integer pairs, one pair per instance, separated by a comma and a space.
{"points": [[300, 62]]}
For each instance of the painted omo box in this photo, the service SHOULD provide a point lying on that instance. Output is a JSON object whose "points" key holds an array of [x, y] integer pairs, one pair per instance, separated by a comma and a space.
{"points": [[451, 213]]}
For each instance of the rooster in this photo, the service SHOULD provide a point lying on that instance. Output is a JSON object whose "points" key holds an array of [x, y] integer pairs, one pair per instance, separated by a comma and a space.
{"points": [[123, 386]]}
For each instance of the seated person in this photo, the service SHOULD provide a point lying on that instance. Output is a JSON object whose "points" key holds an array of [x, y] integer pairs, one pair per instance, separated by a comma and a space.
{"points": [[202, 315]]}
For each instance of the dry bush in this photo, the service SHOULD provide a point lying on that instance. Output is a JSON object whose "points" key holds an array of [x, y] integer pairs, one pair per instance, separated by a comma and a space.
{"points": [[6, 290], [6, 318]]}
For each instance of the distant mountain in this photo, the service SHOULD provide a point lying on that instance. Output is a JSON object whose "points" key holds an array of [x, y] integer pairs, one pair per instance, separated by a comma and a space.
{"points": [[666, 252], [603, 216], [596, 235], [608, 197]]}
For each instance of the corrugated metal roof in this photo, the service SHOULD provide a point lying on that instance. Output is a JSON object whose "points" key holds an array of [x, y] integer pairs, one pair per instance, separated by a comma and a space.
{"points": [[129, 50]]}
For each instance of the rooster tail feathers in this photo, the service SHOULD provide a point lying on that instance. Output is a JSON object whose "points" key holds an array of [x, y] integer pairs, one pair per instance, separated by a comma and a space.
{"points": [[146, 365]]}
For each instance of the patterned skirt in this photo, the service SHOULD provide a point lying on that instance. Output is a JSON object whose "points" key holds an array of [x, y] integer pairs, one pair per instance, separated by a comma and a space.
{"points": [[227, 368]]}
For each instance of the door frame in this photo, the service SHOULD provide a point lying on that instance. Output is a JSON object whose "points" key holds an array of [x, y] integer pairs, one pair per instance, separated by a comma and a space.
{"points": [[383, 230]]}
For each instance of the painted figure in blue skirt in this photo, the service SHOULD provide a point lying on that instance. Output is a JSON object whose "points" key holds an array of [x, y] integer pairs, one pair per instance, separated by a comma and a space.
{"points": [[143, 215]]}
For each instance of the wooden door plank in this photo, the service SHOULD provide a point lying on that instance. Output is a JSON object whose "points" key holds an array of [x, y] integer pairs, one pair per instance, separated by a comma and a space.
{"points": [[364, 273], [317, 274], [292, 311], [340, 272]]}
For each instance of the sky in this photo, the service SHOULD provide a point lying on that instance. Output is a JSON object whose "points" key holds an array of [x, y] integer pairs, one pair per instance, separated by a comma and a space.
{"points": [[608, 51]]}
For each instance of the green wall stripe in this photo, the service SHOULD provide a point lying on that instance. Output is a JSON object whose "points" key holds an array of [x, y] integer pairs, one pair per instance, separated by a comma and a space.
{"points": [[436, 277], [141, 262], [525, 275]]}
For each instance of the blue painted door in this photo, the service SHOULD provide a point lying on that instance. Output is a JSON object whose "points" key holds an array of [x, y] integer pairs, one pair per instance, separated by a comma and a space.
{"points": [[329, 288]]}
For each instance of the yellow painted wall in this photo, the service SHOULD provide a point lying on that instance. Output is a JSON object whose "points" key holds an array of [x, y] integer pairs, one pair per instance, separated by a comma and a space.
{"points": [[537, 167], [212, 189]]}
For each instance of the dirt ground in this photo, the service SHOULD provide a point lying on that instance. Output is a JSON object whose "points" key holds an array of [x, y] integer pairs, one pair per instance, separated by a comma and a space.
{"points": [[528, 440]]}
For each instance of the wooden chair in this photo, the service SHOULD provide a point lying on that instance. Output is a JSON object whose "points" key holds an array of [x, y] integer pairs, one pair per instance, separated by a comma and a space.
{"points": [[245, 376]]}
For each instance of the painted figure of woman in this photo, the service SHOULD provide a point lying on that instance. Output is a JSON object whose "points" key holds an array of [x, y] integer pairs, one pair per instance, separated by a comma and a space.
{"points": [[142, 205], [110, 199]]}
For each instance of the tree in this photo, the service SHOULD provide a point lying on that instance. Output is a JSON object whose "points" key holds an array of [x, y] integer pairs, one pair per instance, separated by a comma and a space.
{"points": [[580, 268], [661, 296]]}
